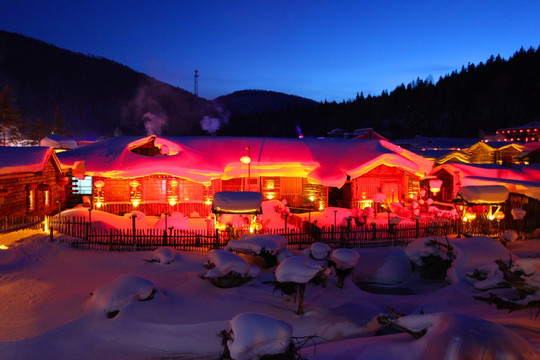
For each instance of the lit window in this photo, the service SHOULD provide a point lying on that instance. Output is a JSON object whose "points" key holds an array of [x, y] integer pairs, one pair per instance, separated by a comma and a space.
{"points": [[84, 186], [31, 200], [47, 195]]}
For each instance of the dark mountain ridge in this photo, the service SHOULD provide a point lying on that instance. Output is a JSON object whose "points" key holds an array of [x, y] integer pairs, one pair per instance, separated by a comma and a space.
{"points": [[97, 97]]}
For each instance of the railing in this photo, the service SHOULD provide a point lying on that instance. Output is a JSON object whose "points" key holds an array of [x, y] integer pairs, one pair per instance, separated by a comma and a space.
{"points": [[83, 235], [15, 223]]}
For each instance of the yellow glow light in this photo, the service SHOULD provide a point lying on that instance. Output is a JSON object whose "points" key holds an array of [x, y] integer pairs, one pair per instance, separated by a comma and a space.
{"points": [[135, 203], [470, 216], [172, 202], [245, 159], [98, 204], [3, 247]]}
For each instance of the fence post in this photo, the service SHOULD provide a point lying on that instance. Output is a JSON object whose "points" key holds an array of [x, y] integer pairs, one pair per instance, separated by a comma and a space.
{"points": [[51, 237], [417, 228], [216, 246], [89, 227], [110, 239], [374, 229], [133, 217]]}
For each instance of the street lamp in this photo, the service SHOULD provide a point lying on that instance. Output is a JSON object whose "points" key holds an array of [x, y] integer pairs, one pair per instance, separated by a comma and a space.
{"points": [[246, 159]]}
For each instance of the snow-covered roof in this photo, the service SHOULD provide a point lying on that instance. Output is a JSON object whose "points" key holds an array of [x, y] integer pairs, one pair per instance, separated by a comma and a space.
{"points": [[239, 202], [18, 160], [202, 159], [486, 194], [431, 143], [519, 179], [58, 142]]}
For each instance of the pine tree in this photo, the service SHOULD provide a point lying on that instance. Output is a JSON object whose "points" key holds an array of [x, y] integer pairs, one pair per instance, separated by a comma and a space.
{"points": [[59, 125], [10, 117]]}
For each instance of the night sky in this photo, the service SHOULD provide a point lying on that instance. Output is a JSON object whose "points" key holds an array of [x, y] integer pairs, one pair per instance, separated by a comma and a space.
{"points": [[316, 49]]}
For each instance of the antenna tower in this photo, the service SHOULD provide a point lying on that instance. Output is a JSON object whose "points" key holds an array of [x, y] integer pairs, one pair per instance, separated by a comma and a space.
{"points": [[196, 83]]}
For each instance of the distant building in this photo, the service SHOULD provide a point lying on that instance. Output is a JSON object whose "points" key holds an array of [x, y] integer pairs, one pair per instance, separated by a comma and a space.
{"points": [[522, 133]]}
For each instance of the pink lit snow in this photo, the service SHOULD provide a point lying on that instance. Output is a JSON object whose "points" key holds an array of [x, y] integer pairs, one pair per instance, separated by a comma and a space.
{"points": [[47, 311]]}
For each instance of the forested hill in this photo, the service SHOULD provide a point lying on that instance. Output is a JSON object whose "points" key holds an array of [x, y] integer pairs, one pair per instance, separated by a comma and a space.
{"points": [[89, 97], [478, 99], [94, 96]]}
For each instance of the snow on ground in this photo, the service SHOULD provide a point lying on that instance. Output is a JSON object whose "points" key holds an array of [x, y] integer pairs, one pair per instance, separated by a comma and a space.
{"points": [[47, 310]]}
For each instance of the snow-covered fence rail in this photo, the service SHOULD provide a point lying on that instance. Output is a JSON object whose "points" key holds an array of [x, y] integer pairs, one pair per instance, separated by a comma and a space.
{"points": [[96, 238], [14, 223]]}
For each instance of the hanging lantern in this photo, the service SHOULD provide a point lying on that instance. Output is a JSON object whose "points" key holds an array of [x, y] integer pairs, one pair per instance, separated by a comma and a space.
{"points": [[435, 185], [470, 216], [499, 215], [173, 183], [134, 183], [99, 184]]}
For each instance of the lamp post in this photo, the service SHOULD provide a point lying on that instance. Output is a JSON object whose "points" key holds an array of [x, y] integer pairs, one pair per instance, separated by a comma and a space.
{"points": [[246, 159]]}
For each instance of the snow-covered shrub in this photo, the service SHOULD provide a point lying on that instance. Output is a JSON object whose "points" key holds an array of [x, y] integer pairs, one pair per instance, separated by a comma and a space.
{"points": [[509, 236], [163, 255], [431, 257], [252, 336], [318, 251], [121, 292], [266, 246], [344, 261], [226, 269], [293, 273]]}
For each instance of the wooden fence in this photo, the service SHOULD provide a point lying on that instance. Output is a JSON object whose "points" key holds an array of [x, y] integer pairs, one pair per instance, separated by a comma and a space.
{"points": [[88, 237], [15, 223]]}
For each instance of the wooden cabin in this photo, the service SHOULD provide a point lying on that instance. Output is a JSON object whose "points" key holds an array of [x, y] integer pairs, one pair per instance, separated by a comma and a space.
{"points": [[31, 181], [158, 175]]}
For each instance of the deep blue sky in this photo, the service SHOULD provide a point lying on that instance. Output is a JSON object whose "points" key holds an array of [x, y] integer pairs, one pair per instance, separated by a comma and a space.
{"points": [[315, 49]]}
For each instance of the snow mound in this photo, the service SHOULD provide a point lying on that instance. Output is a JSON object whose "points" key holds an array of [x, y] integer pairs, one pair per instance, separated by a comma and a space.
{"points": [[449, 336], [509, 236], [225, 262], [298, 269], [458, 336], [345, 258], [383, 266], [164, 255], [256, 243], [477, 252], [176, 221], [318, 251], [256, 335], [121, 292], [331, 215]]}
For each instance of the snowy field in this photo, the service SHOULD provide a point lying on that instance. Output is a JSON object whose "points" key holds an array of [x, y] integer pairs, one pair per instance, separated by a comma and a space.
{"points": [[62, 303]]}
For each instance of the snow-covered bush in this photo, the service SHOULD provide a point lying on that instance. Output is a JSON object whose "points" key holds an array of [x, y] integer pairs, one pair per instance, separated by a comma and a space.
{"points": [[266, 246], [318, 251], [509, 236], [252, 336], [163, 255], [226, 269], [121, 292], [431, 257], [293, 273], [344, 261]]}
